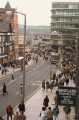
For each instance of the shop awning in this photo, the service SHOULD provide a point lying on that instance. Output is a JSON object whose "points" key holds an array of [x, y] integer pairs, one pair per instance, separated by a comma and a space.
{"points": [[3, 56], [19, 58]]}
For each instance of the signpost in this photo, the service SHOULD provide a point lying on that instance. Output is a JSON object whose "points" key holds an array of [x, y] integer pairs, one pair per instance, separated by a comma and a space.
{"points": [[67, 96]]}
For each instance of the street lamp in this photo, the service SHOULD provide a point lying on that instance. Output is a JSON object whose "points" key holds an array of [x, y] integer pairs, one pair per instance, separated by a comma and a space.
{"points": [[23, 95], [24, 15]]}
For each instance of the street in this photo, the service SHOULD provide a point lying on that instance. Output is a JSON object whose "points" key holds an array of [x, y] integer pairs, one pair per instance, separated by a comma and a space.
{"points": [[35, 73]]}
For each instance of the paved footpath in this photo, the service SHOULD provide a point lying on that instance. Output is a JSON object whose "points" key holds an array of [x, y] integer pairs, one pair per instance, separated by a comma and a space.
{"points": [[34, 105], [10, 70]]}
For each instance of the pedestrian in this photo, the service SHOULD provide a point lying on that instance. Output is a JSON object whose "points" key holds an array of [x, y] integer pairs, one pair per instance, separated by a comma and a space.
{"points": [[51, 84], [12, 76], [21, 107], [43, 113], [56, 112], [9, 111], [67, 81], [43, 84], [49, 114], [16, 116], [0, 66], [22, 117], [1, 118], [46, 101], [47, 85], [2, 70], [4, 89], [56, 99], [36, 59]]}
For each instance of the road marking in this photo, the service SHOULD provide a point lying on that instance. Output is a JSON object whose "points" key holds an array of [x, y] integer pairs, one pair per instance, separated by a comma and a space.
{"points": [[36, 83]]}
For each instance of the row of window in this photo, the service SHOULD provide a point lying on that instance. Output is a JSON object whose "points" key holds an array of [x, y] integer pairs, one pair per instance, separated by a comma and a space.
{"points": [[65, 19], [2, 49], [66, 26], [65, 13], [64, 5]]}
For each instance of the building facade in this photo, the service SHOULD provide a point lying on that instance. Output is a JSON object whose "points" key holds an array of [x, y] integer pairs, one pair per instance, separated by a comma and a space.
{"points": [[8, 33], [65, 21]]}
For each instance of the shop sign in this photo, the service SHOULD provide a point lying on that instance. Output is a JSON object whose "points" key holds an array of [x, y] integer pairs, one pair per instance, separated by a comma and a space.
{"points": [[67, 95]]}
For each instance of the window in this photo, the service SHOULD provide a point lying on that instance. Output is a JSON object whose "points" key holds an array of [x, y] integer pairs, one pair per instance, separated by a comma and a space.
{"points": [[73, 6]]}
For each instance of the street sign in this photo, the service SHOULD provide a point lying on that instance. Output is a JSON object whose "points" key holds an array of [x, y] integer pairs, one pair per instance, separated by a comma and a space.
{"points": [[67, 96]]}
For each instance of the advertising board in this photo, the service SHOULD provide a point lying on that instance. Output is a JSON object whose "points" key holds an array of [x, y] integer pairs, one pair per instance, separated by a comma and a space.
{"points": [[67, 95]]}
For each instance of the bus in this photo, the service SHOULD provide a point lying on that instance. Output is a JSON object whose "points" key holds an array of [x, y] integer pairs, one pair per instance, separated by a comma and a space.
{"points": [[54, 58]]}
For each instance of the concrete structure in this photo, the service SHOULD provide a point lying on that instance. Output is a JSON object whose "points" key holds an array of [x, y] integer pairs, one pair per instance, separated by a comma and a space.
{"points": [[65, 21]]}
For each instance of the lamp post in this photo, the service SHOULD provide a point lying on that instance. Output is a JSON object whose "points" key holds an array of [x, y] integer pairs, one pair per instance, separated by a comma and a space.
{"points": [[23, 95], [24, 43]]}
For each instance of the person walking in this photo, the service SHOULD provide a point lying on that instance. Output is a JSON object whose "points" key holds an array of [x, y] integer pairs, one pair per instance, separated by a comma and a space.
{"points": [[16, 116], [22, 117], [21, 108], [9, 111], [43, 113], [37, 59], [56, 112], [47, 85], [56, 99], [49, 114], [4, 89], [12, 72], [51, 84], [67, 81], [12, 76], [46, 101], [43, 84]]}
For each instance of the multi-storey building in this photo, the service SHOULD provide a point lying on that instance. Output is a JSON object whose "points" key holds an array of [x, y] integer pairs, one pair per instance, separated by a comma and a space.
{"points": [[8, 33], [65, 23]]}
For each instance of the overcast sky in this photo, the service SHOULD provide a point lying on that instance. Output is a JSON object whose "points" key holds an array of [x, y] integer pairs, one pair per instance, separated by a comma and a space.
{"points": [[37, 11]]}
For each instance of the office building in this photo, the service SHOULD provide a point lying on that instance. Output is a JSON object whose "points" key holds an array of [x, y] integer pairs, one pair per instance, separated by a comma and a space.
{"points": [[65, 23]]}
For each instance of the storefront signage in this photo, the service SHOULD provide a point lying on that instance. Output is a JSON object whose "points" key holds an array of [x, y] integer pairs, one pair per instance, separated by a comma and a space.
{"points": [[67, 96]]}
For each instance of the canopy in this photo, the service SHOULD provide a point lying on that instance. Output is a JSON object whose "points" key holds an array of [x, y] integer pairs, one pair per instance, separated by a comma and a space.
{"points": [[19, 58], [3, 56]]}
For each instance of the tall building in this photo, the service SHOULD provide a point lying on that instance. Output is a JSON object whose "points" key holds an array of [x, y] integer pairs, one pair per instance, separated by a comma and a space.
{"points": [[65, 23], [8, 33]]}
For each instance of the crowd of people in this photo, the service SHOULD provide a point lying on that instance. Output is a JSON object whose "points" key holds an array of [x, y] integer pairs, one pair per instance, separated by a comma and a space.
{"points": [[47, 112], [18, 115], [61, 79]]}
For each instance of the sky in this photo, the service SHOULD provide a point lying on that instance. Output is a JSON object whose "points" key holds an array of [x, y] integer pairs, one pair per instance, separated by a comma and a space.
{"points": [[38, 12]]}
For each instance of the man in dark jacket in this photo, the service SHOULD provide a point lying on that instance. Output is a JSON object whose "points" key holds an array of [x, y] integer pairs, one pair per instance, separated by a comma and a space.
{"points": [[43, 84], [46, 101], [9, 110], [4, 89], [21, 107]]}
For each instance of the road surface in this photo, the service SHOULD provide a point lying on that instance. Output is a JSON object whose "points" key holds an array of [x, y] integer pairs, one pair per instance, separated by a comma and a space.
{"points": [[35, 73]]}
